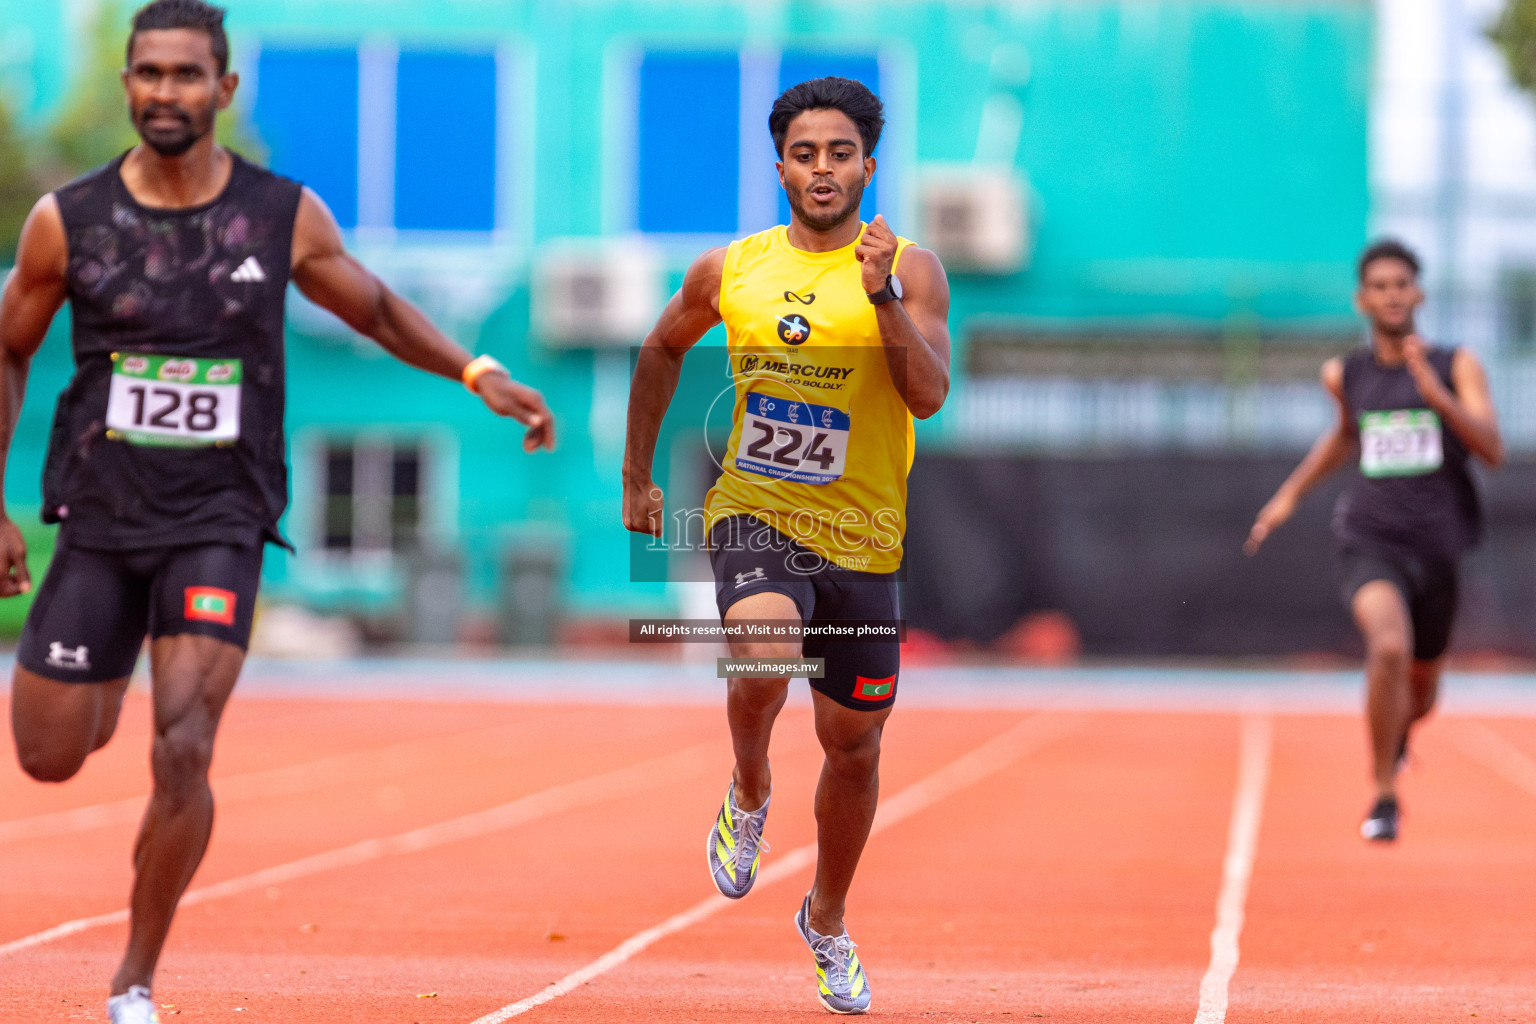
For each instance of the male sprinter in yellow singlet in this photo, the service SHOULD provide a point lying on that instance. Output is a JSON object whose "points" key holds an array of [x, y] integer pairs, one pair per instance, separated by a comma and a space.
{"points": [[832, 355]]}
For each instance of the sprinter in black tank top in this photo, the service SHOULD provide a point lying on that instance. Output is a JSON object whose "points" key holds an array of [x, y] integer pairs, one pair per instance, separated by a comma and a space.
{"points": [[1413, 415], [166, 462]]}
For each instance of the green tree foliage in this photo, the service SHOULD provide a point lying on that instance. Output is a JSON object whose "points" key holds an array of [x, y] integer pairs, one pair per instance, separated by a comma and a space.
{"points": [[1515, 35], [94, 126], [19, 187]]}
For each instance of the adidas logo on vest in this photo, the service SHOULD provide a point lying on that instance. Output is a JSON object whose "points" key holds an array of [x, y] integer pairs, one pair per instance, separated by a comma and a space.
{"points": [[250, 270]]}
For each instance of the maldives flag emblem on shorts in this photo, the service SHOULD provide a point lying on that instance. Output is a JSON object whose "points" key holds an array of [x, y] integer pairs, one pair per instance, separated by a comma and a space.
{"points": [[210, 604], [874, 689]]}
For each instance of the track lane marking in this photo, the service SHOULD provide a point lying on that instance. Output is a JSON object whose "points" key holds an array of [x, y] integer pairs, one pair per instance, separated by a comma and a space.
{"points": [[284, 780], [991, 757], [596, 789], [1493, 751], [1237, 866]]}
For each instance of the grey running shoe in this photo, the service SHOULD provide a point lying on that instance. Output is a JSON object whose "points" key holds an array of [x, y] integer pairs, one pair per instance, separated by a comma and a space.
{"points": [[841, 984], [735, 846], [1381, 824], [133, 1007]]}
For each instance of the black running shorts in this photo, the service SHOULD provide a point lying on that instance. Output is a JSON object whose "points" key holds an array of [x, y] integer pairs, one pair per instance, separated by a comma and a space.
{"points": [[749, 556], [95, 607], [1428, 584]]}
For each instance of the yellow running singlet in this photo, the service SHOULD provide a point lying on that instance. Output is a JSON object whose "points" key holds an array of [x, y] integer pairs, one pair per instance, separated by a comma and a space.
{"points": [[821, 441]]}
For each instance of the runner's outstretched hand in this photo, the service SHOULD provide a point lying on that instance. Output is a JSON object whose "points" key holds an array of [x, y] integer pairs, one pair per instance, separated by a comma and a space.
{"points": [[643, 507], [877, 252], [506, 397], [1277, 511], [14, 578]]}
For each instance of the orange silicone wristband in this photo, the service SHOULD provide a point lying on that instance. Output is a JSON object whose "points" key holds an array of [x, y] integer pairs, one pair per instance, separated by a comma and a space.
{"points": [[478, 367]]}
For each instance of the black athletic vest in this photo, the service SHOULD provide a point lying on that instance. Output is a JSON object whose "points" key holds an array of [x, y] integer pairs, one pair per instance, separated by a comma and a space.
{"points": [[204, 285], [1412, 490]]}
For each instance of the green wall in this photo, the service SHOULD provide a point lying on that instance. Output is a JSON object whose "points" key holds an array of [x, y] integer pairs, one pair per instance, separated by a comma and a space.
{"points": [[1188, 161]]}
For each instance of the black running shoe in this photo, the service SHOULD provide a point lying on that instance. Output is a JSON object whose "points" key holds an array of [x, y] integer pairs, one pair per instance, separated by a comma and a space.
{"points": [[1381, 824]]}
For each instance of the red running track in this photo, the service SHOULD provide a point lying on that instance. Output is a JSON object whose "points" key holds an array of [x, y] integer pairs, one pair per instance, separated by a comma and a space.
{"points": [[1068, 871]]}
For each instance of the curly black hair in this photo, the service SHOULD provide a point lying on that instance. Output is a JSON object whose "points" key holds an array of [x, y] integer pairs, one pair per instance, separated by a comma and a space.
{"points": [[832, 93]]}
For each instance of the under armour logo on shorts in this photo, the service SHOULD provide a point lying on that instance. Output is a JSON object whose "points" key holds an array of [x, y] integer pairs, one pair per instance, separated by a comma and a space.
{"points": [[60, 656], [743, 578]]}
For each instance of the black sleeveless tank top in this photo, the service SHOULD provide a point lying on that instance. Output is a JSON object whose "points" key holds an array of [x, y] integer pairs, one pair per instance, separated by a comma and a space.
{"points": [[1413, 490], [171, 430]]}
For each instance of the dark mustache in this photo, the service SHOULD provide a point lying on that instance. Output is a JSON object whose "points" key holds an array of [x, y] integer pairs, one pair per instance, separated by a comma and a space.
{"points": [[161, 109]]}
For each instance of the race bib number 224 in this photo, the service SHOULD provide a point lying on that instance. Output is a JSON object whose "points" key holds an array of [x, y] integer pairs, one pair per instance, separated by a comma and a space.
{"points": [[792, 440]]}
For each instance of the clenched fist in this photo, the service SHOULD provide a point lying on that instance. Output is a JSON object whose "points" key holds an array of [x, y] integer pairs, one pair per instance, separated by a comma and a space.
{"points": [[877, 252], [643, 507]]}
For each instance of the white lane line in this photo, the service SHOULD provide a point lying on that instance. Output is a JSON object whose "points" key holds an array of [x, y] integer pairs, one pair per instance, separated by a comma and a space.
{"points": [[375, 764], [987, 759], [76, 819], [1497, 753], [1237, 868], [603, 788]]}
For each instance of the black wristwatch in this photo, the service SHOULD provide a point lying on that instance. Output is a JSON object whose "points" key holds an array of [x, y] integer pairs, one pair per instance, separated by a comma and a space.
{"points": [[889, 293]]}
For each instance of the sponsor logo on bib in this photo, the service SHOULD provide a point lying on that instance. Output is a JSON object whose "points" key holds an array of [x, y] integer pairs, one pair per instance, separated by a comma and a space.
{"points": [[178, 369]]}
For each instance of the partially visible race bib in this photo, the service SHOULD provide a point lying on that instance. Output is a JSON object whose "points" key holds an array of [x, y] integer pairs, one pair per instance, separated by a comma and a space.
{"points": [[792, 440], [1403, 442], [173, 402]]}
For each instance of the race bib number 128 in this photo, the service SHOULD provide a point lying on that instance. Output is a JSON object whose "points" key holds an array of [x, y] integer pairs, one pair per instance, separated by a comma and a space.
{"points": [[174, 402], [1402, 442], [792, 440]]}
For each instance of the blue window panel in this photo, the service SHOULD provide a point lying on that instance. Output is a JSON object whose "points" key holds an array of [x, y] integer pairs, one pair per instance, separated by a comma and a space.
{"points": [[445, 141], [689, 141], [306, 112], [800, 66]]}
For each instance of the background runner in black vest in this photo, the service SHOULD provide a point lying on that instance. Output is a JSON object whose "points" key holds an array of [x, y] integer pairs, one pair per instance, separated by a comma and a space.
{"points": [[166, 461], [1412, 414], [1413, 493]]}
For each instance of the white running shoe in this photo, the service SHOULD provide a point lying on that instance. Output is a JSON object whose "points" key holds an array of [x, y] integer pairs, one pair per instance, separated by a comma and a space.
{"points": [[133, 1007]]}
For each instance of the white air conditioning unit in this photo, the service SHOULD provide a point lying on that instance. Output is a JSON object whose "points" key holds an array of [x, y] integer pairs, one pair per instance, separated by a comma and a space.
{"points": [[596, 292], [975, 219]]}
